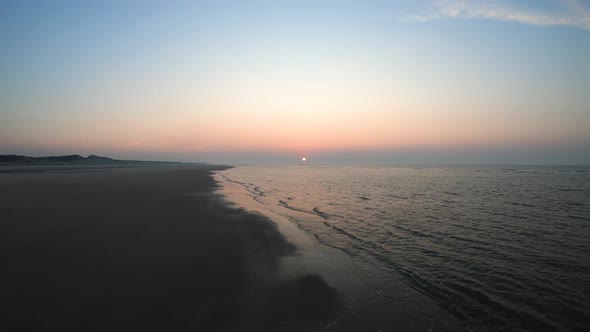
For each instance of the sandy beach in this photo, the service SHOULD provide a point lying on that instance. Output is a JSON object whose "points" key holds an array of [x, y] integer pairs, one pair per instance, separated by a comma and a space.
{"points": [[144, 249]]}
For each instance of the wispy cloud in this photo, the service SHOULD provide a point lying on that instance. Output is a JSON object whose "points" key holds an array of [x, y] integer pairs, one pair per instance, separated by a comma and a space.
{"points": [[568, 12]]}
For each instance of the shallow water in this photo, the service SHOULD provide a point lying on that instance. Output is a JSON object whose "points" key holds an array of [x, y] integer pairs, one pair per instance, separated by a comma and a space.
{"points": [[496, 247]]}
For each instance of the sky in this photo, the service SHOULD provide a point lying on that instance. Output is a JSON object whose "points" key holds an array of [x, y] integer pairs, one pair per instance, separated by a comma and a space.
{"points": [[262, 82]]}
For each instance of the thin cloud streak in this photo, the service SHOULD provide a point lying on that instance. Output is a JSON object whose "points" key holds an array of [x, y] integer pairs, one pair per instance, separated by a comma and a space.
{"points": [[574, 13]]}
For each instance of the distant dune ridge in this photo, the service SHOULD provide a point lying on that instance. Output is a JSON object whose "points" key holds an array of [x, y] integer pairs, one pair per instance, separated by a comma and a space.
{"points": [[74, 159]]}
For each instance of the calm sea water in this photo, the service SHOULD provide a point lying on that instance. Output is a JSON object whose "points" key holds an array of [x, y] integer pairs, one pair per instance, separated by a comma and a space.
{"points": [[497, 247]]}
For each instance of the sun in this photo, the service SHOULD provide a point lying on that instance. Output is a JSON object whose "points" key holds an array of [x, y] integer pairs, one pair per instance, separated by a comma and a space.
{"points": [[303, 159]]}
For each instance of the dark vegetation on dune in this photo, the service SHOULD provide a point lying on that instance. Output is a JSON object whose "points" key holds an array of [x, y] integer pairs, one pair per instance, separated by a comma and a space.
{"points": [[74, 159], [145, 249]]}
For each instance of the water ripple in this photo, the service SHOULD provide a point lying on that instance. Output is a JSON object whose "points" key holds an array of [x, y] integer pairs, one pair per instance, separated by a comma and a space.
{"points": [[501, 248]]}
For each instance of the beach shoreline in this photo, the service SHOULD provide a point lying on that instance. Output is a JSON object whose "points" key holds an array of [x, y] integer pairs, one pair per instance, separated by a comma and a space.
{"points": [[146, 248], [368, 306]]}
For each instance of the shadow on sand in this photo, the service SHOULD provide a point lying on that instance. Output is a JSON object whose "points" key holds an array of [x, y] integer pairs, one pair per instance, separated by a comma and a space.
{"points": [[145, 249]]}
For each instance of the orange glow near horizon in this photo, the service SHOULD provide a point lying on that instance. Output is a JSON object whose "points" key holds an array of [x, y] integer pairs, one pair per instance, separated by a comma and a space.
{"points": [[311, 131], [293, 131]]}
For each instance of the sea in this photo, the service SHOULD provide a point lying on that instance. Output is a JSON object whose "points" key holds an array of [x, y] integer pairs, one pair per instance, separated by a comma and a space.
{"points": [[495, 247]]}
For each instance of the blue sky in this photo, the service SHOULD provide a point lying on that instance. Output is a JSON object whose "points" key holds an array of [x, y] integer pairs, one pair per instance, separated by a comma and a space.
{"points": [[222, 81]]}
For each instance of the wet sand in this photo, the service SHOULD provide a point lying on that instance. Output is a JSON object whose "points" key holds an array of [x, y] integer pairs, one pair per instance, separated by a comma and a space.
{"points": [[145, 249]]}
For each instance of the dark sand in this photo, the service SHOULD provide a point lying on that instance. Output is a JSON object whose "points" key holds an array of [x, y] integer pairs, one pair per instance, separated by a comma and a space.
{"points": [[144, 249]]}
